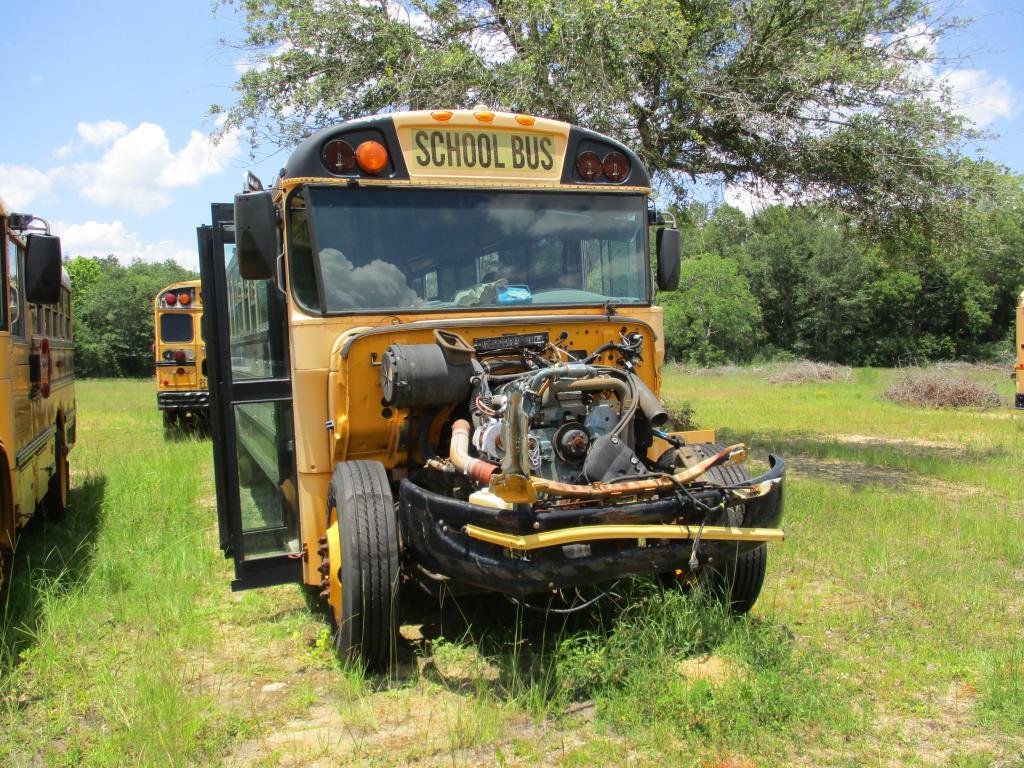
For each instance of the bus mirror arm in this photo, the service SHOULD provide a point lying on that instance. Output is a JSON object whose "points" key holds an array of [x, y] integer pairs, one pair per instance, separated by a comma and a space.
{"points": [[279, 274]]}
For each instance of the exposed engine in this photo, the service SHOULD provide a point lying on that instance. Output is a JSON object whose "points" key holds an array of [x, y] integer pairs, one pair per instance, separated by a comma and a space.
{"points": [[550, 479], [535, 410]]}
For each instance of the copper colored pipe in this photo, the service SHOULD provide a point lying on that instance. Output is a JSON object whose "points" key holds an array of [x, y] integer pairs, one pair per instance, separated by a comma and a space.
{"points": [[477, 469], [650, 485]]}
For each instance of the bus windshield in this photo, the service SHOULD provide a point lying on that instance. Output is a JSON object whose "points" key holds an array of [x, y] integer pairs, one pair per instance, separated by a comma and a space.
{"points": [[401, 249]]}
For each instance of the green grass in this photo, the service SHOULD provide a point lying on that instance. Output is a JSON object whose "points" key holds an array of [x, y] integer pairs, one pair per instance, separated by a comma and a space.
{"points": [[888, 632]]}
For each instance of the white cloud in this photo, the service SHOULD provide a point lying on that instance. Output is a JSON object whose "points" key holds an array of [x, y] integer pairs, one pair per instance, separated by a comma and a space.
{"points": [[99, 238], [102, 132], [753, 197], [20, 185], [139, 167], [981, 98], [200, 157]]}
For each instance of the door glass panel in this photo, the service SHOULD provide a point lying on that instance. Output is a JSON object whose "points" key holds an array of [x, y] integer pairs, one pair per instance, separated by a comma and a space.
{"points": [[15, 255], [266, 478], [255, 324]]}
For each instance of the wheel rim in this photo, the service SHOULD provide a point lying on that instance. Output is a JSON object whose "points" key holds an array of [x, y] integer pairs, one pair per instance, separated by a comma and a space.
{"points": [[330, 565]]}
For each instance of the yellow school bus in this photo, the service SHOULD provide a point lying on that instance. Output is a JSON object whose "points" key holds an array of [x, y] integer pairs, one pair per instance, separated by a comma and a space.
{"points": [[37, 394], [1018, 368], [181, 390], [435, 363]]}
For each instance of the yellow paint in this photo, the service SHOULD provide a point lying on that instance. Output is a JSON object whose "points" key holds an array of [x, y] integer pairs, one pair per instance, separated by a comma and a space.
{"points": [[464, 142], [30, 423], [611, 532], [334, 560], [190, 378], [334, 378], [697, 436]]}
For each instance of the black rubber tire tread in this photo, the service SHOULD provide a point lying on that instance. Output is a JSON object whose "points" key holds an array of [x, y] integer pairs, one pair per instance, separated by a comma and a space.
{"points": [[369, 570], [54, 506], [746, 573]]}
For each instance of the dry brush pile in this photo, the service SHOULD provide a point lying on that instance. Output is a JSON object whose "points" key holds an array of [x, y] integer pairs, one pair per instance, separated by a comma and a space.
{"points": [[938, 389]]}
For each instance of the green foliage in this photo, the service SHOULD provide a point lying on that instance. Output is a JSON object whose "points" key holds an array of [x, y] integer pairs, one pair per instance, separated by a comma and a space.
{"points": [[824, 97], [112, 306], [826, 288], [713, 316]]}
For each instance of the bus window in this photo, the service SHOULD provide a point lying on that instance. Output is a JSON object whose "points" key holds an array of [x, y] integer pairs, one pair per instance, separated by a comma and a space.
{"points": [[15, 257], [3, 268], [175, 329]]}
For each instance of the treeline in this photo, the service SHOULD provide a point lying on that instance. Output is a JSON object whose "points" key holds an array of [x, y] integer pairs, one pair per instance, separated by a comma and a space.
{"points": [[112, 309], [807, 282], [799, 281]]}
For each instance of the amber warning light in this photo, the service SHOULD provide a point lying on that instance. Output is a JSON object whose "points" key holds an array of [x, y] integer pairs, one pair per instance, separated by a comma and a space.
{"points": [[371, 156]]}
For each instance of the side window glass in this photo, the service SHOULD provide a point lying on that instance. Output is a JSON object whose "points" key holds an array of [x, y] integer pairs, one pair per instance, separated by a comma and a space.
{"points": [[3, 268], [15, 258]]}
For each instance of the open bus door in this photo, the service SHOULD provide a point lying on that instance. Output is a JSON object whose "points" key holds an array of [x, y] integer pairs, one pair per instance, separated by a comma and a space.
{"points": [[250, 413]]}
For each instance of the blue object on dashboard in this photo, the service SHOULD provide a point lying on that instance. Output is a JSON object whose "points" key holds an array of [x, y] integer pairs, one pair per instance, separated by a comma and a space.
{"points": [[514, 294]]}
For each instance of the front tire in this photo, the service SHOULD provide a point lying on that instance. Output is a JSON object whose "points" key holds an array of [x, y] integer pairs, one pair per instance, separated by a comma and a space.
{"points": [[739, 578], [360, 504]]}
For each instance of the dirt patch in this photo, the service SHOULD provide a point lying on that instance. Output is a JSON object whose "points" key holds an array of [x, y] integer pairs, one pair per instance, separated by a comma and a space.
{"points": [[950, 730], [852, 473], [896, 442], [713, 669], [424, 726], [860, 476]]}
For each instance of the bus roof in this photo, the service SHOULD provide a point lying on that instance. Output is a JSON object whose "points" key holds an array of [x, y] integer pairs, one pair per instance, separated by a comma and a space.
{"points": [[466, 147]]}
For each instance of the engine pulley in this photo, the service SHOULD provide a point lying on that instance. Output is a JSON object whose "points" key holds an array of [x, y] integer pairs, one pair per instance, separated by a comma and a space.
{"points": [[571, 442]]}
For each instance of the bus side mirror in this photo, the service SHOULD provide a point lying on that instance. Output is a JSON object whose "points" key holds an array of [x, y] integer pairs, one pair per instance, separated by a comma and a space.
{"points": [[42, 269], [256, 235], [668, 259]]}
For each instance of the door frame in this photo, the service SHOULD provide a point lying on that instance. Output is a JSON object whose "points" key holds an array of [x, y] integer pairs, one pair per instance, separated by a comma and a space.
{"points": [[225, 393]]}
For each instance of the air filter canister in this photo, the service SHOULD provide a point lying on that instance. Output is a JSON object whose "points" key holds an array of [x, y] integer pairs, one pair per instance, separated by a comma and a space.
{"points": [[420, 374]]}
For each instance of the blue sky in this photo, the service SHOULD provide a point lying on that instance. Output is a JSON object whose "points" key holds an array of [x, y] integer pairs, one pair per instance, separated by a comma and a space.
{"points": [[108, 137]]}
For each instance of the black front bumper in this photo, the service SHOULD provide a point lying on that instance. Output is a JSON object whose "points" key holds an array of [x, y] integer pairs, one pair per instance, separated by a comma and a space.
{"points": [[197, 401], [436, 547], [1019, 401]]}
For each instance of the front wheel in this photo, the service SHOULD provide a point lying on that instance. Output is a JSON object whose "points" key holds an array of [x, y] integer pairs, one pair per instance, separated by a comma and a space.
{"points": [[362, 562], [739, 578]]}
